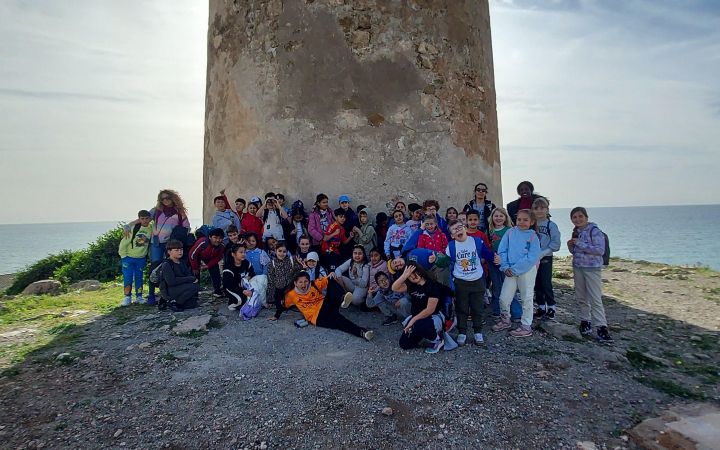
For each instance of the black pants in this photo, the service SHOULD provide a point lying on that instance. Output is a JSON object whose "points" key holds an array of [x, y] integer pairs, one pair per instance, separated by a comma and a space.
{"points": [[469, 299], [544, 295], [330, 260], [214, 272], [185, 295], [422, 329], [329, 315]]}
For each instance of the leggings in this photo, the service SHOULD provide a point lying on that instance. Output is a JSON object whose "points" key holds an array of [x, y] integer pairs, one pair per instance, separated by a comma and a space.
{"points": [[329, 315]]}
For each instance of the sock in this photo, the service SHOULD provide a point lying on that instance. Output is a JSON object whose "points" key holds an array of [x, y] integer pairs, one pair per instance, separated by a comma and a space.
{"points": [[552, 307]]}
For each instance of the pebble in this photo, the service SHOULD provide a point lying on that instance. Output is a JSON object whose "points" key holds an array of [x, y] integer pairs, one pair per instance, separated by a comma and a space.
{"points": [[118, 433], [387, 411]]}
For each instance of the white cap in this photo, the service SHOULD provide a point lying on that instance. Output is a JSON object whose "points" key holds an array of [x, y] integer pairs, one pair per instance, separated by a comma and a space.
{"points": [[314, 256]]}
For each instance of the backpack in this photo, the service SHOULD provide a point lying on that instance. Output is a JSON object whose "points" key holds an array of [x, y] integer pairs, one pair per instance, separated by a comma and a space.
{"points": [[606, 255], [156, 275], [203, 231]]}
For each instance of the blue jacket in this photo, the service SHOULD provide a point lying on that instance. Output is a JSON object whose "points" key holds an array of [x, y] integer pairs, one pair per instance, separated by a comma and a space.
{"points": [[519, 251], [223, 219], [549, 235]]}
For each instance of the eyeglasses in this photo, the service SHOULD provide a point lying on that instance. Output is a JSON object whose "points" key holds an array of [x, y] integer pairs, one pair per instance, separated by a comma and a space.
{"points": [[457, 229], [481, 190], [165, 198]]}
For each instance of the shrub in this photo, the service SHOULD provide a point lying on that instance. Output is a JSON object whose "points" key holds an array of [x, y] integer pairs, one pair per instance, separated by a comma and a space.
{"points": [[40, 270], [100, 261]]}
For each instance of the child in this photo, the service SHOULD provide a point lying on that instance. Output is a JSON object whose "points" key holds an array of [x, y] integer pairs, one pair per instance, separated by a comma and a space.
{"points": [[473, 230], [272, 216], [520, 253], [351, 222], [415, 217], [549, 235], [179, 287], [429, 237], [257, 256], [390, 303], [206, 253], [280, 274], [588, 247], [311, 266], [451, 214], [224, 216], [303, 249], [381, 228], [377, 264], [321, 218], [240, 204], [333, 238], [296, 228], [462, 217], [233, 238], [468, 275], [249, 221], [236, 275], [365, 234], [431, 207], [356, 281], [397, 235], [133, 250], [500, 224]]}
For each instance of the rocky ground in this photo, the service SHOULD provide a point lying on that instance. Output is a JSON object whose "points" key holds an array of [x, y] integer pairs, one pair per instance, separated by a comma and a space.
{"points": [[127, 380]]}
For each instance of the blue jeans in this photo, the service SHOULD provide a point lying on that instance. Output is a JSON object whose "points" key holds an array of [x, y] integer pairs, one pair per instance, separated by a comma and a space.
{"points": [[157, 255], [497, 278], [132, 269]]}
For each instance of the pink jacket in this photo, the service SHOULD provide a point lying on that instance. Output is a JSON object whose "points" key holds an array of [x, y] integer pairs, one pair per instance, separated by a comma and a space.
{"points": [[314, 227]]}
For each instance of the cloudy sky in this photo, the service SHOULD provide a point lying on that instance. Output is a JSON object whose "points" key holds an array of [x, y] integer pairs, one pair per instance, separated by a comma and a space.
{"points": [[601, 103]]}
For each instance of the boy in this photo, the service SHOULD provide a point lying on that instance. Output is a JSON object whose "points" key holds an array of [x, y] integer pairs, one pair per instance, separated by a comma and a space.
{"points": [[272, 215], [389, 302], [365, 234], [467, 272], [233, 237], [415, 217], [133, 250], [431, 207], [206, 253], [333, 238], [224, 216], [179, 287], [240, 204]]}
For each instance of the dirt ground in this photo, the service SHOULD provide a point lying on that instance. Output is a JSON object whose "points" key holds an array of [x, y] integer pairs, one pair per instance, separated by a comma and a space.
{"points": [[126, 381]]}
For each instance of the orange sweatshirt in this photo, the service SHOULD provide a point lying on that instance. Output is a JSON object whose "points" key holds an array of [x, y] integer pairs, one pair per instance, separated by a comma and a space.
{"points": [[310, 302]]}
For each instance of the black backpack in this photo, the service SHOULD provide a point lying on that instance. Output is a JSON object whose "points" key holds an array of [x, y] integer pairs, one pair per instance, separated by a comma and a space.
{"points": [[606, 255]]}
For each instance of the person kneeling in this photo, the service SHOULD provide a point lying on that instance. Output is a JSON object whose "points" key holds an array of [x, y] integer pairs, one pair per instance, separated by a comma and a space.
{"points": [[318, 309], [179, 287]]}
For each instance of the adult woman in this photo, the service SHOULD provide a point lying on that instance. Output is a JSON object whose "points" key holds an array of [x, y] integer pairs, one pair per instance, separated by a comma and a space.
{"points": [[426, 298], [527, 194], [482, 205], [321, 310], [170, 221], [320, 219]]}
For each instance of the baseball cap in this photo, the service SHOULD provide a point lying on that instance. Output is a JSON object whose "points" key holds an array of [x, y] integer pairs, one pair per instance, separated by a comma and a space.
{"points": [[313, 256], [255, 199], [343, 198]]}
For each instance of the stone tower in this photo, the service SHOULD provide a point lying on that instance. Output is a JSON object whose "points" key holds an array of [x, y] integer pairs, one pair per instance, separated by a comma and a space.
{"points": [[377, 99]]}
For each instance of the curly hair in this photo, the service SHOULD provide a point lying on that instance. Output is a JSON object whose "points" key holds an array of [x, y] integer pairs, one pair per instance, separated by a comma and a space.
{"points": [[176, 199]]}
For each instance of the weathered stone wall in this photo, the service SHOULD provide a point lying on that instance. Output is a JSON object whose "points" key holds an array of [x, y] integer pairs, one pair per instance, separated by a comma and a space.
{"points": [[375, 99]]}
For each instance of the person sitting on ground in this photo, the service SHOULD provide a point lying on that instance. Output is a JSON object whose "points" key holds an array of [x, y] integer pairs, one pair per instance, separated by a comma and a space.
{"points": [[426, 320], [236, 276], [377, 264], [179, 288], [206, 253], [321, 310], [390, 303], [280, 273], [133, 250], [311, 266], [356, 281], [224, 216]]}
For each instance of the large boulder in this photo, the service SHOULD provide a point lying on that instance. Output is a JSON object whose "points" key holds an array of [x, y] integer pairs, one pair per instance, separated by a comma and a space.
{"points": [[85, 285], [42, 287], [692, 427], [561, 331]]}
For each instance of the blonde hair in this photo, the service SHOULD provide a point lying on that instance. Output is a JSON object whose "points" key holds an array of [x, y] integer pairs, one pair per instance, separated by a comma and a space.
{"points": [[176, 199], [541, 201], [508, 221]]}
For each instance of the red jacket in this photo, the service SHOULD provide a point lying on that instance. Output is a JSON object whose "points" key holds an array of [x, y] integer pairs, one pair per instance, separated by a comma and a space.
{"points": [[436, 241], [203, 252], [251, 224]]}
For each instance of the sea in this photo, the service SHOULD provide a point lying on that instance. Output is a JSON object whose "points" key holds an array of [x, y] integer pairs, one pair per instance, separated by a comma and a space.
{"points": [[680, 235]]}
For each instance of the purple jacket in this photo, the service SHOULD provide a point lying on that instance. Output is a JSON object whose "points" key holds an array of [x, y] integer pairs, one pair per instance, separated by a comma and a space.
{"points": [[314, 227], [590, 248]]}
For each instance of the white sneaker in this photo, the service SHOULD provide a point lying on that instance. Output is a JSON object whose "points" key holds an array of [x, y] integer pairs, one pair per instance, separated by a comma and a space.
{"points": [[126, 301], [461, 339], [140, 300], [232, 306], [479, 339], [368, 335], [347, 299]]}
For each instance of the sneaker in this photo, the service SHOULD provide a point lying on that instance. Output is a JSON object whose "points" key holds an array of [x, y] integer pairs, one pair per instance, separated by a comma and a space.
{"points": [[516, 319], [550, 314], [140, 300], [151, 300], [521, 332], [232, 306], [503, 324], [461, 339], [437, 344], [368, 335], [126, 301], [218, 295], [162, 304], [347, 299], [479, 338], [539, 314], [603, 336], [585, 327], [390, 320]]}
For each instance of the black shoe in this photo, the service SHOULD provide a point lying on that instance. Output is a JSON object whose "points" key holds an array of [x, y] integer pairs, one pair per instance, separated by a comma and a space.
{"points": [[161, 304], [539, 314], [585, 327], [549, 314], [390, 320], [174, 307], [603, 336]]}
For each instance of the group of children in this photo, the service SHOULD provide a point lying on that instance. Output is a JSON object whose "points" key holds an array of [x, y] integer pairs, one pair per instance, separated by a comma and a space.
{"points": [[430, 272]]}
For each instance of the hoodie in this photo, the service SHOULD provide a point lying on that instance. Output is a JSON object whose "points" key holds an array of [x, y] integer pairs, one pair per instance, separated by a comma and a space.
{"points": [[549, 235], [259, 260], [589, 251], [519, 251], [396, 237], [318, 223], [223, 219]]}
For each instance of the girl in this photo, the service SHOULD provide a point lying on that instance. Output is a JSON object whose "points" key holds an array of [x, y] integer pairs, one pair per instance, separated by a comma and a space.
{"points": [[397, 235], [549, 235], [451, 214], [321, 310], [311, 266], [280, 275], [249, 222], [303, 249], [400, 206], [426, 320], [296, 228], [588, 247], [365, 234], [356, 283], [257, 256], [377, 264], [520, 253], [500, 224], [481, 204], [237, 270], [320, 219]]}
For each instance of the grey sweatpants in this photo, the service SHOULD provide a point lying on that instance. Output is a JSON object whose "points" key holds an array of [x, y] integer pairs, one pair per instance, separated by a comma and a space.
{"points": [[588, 292]]}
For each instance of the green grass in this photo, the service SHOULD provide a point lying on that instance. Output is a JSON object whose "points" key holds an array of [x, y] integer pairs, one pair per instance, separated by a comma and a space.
{"points": [[640, 361], [670, 388]]}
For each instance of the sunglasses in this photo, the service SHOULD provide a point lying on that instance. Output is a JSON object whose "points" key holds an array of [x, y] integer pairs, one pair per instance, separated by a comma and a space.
{"points": [[165, 198], [480, 190]]}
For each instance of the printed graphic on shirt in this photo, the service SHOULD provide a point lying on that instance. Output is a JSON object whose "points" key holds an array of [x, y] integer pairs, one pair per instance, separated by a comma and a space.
{"points": [[468, 260], [141, 239]]}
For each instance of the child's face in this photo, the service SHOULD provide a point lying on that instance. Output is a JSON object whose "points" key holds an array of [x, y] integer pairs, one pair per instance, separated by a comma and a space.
{"points": [[340, 219], [452, 215], [233, 237], [498, 219], [281, 252], [345, 205], [398, 217], [400, 206], [363, 218], [304, 245], [239, 254], [579, 219], [383, 282], [302, 284], [323, 204], [220, 205], [473, 220], [398, 264], [239, 206], [298, 217], [252, 209], [417, 214], [523, 221], [144, 221], [431, 210], [311, 263], [540, 211], [357, 255], [175, 253], [271, 243], [374, 257], [462, 217], [251, 242], [215, 240], [458, 232], [430, 225]]}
